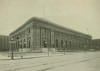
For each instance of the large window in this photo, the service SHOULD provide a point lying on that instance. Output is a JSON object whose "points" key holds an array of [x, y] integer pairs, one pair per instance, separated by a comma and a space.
{"points": [[70, 43], [62, 43], [29, 44], [66, 43], [29, 30], [24, 45], [57, 43]]}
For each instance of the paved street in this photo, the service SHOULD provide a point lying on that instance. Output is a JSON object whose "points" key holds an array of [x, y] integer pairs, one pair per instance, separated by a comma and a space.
{"points": [[72, 61]]}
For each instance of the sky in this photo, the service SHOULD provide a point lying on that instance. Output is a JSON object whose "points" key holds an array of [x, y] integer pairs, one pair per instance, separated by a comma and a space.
{"points": [[79, 15]]}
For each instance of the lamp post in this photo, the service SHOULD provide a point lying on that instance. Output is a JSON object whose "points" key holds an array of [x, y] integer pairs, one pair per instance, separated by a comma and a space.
{"points": [[11, 46], [64, 49], [21, 49], [45, 45]]}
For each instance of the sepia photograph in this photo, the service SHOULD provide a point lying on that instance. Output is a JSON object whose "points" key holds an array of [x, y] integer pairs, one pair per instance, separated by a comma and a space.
{"points": [[49, 35]]}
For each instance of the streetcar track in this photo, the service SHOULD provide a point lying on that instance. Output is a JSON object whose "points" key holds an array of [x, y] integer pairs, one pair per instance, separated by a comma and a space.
{"points": [[51, 63], [45, 69]]}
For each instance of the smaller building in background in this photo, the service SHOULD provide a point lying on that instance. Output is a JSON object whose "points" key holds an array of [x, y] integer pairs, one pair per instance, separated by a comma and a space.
{"points": [[95, 44], [4, 43]]}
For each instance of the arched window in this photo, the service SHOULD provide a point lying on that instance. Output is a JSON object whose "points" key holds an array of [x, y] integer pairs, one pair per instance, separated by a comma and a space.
{"points": [[57, 43], [62, 43], [29, 43], [66, 43], [70, 43]]}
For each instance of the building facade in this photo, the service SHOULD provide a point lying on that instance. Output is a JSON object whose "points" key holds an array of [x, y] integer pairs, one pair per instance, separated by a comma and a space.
{"points": [[38, 33], [95, 44], [4, 43]]}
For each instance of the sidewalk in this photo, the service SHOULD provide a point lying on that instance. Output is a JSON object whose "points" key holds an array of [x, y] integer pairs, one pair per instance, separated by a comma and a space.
{"points": [[18, 55], [4, 55]]}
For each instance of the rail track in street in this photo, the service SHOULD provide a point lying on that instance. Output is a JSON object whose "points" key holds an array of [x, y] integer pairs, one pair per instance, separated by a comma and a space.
{"points": [[50, 64]]}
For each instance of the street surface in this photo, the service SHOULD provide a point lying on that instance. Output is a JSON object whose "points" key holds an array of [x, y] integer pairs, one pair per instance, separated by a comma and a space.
{"points": [[72, 61]]}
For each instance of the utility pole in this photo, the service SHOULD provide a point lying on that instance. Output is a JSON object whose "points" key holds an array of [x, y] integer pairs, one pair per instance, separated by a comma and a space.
{"points": [[88, 42], [44, 9], [48, 50]]}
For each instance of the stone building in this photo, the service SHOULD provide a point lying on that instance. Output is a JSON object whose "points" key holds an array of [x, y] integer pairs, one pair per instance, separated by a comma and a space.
{"points": [[38, 33], [4, 43], [95, 44]]}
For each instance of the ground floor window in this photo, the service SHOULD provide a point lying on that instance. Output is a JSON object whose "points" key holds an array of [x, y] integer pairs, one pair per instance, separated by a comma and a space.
{"points": [[57, 43], [62, 43], [66, 43]]}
